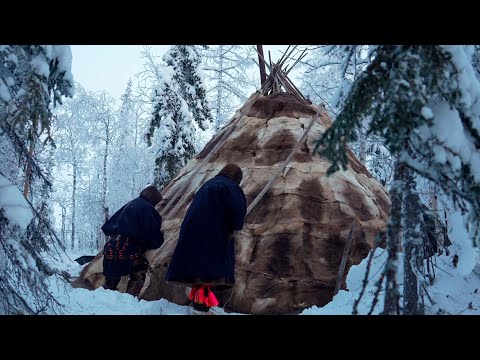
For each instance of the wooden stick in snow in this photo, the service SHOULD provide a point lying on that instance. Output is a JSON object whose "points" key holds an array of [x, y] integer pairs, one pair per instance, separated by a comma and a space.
{"points": [[346, 251]]}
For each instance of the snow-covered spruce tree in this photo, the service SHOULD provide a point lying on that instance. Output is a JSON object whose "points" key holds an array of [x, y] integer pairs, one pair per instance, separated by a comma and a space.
{"points": [[413, 246], [424, 99], [179, 107], [31, 78], [394, 228], [377, 159], [188, 74], [40, 229], [226, 69], [171, 130]]}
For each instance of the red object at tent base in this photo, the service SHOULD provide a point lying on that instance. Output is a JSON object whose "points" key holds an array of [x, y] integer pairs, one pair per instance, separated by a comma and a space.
{"points": [[203, 295]]}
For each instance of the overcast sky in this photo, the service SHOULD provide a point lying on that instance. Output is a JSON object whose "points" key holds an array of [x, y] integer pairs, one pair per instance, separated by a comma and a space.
{"points": [[108, 67]]}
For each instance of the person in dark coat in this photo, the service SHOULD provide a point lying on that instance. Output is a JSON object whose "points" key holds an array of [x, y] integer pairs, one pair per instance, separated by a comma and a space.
{"points": [[204, 257], [133, 229]]}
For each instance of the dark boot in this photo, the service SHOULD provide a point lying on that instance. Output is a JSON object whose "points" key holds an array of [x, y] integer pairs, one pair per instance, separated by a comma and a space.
{"points": [[200, 307], [137, 275], [111, 284], [135, 283]]}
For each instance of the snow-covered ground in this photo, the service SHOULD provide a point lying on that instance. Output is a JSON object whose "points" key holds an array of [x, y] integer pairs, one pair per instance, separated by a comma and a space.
{"points": [[451, 292], [106, 302]]}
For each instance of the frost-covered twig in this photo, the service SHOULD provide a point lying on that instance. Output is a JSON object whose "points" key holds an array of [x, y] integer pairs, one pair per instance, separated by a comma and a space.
{"points": [[364, 283], [377, 292], [428, 295], [446, 272]]}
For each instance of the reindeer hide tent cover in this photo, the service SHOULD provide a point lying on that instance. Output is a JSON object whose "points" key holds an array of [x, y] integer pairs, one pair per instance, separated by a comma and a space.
{"points": [[289, 252]]}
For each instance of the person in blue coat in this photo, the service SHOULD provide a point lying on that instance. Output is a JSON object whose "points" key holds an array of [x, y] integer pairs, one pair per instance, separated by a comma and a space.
{"points": [[132, 230], [204, 257]]}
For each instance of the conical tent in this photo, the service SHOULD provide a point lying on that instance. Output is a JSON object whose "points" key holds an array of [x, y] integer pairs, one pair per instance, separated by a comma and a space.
{"points": [[289, 253]]}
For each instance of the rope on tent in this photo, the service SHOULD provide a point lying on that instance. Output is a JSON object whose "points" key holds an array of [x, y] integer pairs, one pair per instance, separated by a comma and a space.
{"points": [[283, 166], [184, 189]]}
